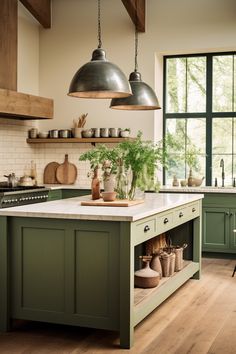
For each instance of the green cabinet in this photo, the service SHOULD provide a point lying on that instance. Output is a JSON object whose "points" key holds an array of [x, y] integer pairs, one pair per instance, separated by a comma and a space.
{"points": [[65, 271], [56, 194], [70, 193], [219, 223], [216, 225], [81, 272]]}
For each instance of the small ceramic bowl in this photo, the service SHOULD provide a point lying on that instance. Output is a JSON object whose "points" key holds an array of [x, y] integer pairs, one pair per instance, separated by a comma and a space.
{"points": [[87, 133], [109, 196], [43, 135]]}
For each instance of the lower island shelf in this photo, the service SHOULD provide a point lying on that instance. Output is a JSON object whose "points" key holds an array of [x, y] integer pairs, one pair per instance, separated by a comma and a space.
{"points": [[146, 300]]}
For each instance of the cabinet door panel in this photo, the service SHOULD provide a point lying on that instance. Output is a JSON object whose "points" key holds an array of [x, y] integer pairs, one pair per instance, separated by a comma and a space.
{"points": [[215, 228], [232, 228], [38, 281]]}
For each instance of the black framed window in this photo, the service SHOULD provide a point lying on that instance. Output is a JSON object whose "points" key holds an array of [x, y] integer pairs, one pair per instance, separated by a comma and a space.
{"points": [[199, 112]]}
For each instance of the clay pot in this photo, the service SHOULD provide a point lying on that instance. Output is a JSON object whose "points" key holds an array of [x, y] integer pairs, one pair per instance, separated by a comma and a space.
{"points": [[146, 277], [108, 196]]}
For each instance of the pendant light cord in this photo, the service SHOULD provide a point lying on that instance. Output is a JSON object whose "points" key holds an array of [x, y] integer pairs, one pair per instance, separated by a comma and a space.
{"points": [[136, 39], [136, 50], [99, 26]]}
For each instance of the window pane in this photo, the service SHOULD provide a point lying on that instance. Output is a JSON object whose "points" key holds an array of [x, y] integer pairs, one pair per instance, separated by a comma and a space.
{"points": [[190, 137], [223, 83], [196, 131], [176, 166], [176, 85], [222, 131], [196, 84], [176, 128]]}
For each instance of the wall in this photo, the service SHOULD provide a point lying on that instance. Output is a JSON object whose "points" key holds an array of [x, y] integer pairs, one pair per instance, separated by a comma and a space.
{"points": [[51, 57], [15, 154]]}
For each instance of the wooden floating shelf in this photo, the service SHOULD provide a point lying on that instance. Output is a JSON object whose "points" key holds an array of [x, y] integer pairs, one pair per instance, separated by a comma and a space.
{"points": [[77, 140]]}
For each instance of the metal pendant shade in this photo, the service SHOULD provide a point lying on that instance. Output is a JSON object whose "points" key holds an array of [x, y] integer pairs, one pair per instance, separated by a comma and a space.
{"points": [[143, 98], [99, 78]]}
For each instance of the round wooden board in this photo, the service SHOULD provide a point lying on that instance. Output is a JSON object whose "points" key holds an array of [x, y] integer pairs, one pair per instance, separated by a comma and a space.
{"points": [[49, 175], [66, 173]]}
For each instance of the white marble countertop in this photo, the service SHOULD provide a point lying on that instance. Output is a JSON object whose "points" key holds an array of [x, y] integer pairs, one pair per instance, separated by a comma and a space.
{"points": [[204, 189], [71, 208]]}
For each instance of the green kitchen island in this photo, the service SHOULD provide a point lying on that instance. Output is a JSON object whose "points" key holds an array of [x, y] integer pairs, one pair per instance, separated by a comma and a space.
{"points": [[61, 262]]}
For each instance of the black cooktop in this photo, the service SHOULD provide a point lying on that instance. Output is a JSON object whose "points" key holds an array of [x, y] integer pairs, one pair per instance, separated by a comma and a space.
{"points": [[18, 188]]}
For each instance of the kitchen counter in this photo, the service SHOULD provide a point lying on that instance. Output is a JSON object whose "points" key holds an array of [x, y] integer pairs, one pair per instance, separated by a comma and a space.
{"points": [[203, 189], [74, 265], [71, 209]]}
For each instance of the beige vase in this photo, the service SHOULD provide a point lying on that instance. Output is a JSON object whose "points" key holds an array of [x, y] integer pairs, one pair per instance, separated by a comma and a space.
{"points": [[109, 183]]}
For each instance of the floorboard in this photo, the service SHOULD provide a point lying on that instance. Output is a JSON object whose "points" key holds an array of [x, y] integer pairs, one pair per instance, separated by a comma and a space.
{"points": [[200, 318]]}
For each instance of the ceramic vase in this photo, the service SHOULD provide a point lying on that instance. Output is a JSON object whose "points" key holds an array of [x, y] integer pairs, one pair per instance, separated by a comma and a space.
{"points": [[146, 277]]}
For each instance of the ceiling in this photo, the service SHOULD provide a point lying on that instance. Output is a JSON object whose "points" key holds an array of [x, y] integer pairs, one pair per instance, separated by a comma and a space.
{"points": [[41, 10]]}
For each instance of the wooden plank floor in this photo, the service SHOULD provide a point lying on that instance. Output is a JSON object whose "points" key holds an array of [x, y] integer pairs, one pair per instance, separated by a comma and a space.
{"points": [[199, 318]]}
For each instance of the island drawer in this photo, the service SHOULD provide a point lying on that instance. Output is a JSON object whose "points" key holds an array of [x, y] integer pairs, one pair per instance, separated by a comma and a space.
{"points": [[186, 213], [194, 209], [181, 215], [145, 230], [164, 222]]}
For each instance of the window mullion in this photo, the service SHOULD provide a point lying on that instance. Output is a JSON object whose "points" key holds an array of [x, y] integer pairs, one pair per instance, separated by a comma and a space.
{"points": [[209, 85]]}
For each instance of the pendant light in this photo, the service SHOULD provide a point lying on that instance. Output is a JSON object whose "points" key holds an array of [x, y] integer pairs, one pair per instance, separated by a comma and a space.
{"points": [[99, 78], [144, 97]]}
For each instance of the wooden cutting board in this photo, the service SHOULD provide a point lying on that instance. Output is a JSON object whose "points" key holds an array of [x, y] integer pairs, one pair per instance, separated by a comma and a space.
{"points": [[66, 173], [115, 203], [49, 175]]}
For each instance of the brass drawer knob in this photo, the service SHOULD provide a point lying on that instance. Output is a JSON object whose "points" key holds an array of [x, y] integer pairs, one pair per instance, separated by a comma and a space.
{"points": [[193, 210]]}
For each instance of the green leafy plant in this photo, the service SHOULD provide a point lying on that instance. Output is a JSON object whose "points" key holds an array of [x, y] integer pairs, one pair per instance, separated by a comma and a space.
{"points": [[142, 158], [102, 157]]}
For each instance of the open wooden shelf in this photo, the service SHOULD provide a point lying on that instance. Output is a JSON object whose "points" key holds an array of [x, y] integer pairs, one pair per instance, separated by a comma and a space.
{"points": [[146, 299], [77, 140]]}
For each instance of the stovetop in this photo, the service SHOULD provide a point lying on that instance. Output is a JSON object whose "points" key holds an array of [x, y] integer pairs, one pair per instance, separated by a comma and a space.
{"points": [[21, 195], [4, 189]]}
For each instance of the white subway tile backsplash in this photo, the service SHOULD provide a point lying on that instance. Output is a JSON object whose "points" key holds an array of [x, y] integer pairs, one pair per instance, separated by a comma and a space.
{"points": [[16, 154]]}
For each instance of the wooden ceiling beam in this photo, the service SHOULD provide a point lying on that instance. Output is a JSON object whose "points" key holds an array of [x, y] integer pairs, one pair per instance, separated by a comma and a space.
{"points": [[136, 11], [40, 9], [8, 47]]}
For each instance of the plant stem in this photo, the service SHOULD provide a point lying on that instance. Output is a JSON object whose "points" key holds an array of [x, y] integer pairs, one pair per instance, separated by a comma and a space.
{"points": [[133, 186]]}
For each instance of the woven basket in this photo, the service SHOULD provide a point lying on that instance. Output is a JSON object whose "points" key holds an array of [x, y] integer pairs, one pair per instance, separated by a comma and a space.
{"points": [[155, 244], [165, 264], [179, 263]]}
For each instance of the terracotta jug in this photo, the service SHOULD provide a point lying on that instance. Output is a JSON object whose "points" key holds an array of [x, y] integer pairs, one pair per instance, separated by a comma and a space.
{"points": [[95, 186]]}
